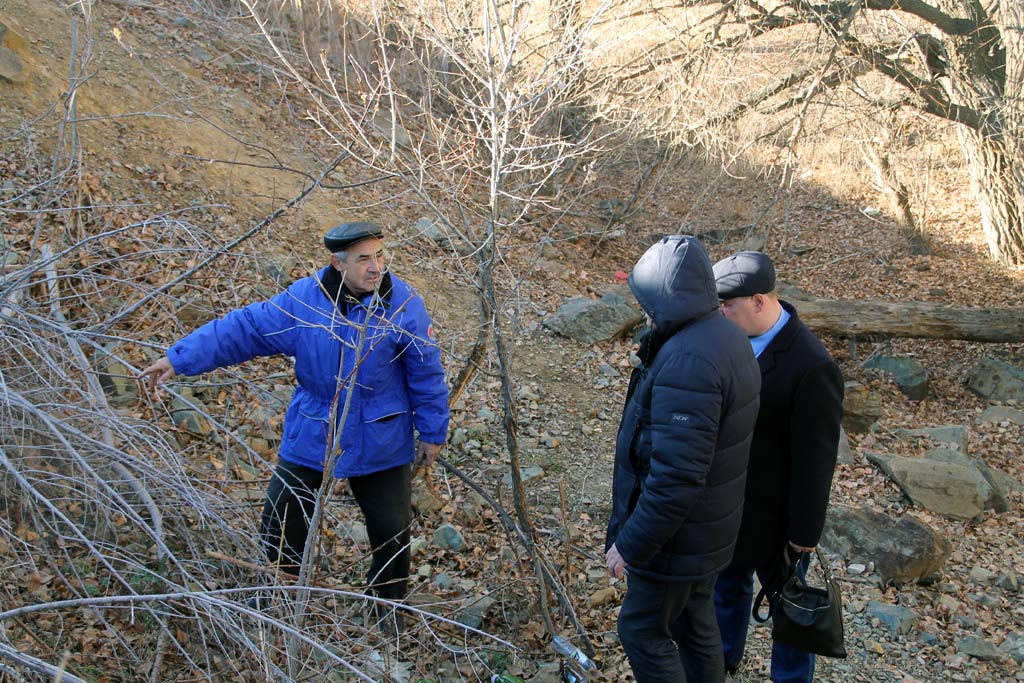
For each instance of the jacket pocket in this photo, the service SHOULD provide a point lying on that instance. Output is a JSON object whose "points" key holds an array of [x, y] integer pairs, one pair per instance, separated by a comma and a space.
{"points": [[387, 430]]}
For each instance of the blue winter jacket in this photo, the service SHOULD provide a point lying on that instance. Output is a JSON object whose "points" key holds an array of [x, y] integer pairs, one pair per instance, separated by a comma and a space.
{"points": [[682, 447], [382, 351]]}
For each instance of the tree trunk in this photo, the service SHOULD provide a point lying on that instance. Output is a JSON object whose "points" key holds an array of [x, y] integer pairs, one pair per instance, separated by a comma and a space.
{"points": [[987, 69], [997, 175], [911, 319]]}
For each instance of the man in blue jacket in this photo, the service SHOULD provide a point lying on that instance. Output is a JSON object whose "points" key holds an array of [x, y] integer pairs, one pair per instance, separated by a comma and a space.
{"points": [[792, 456], [680, 467], [369, 376]]}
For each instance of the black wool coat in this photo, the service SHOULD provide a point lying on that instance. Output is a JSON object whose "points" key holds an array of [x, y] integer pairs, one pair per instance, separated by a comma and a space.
{"points": [[682, 446], [796, 440]]}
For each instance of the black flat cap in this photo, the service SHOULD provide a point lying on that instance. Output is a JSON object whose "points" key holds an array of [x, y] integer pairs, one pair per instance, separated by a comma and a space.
{"points": [[744, 274], [342, 236]]}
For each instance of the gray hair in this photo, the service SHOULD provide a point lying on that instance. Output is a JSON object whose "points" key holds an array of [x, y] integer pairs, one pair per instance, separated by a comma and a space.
{"points": [[342, 255]]}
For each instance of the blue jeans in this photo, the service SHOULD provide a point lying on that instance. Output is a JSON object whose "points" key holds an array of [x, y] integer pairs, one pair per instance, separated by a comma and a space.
{"points": [[734, 597], [669, 633]]}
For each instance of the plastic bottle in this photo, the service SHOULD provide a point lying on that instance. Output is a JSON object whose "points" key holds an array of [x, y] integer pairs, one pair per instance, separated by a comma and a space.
{"points": [[578, 667]]}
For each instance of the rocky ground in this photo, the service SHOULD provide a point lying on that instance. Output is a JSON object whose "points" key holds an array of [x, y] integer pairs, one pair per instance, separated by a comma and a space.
{"points": [[174, 116]]}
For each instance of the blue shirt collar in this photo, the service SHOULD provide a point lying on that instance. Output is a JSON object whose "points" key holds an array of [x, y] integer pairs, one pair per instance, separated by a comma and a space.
{"points": [[760, 342]]}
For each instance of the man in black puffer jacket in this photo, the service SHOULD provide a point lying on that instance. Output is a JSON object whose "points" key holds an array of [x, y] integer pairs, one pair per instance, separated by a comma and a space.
{"points": [[680, 466]]}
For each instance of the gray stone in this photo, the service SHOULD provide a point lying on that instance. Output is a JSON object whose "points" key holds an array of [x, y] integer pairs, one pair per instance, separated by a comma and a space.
{"points": [[443, 581], [356, 530], [202, 54], [984, 600], [861, 408], [950, 436], [990, 490], [1004, 482], [1013, 646], [897, 620], [13, 48], [188, 419], [979, 648], [433, 230], [844, 455], [425, 501], [549, 248], [943, 488], [117, 380], [449, 538], [607, 370], [990, 484], [1008, 582], [981, 575], [611, 208], [526, 474], [999, 414], [591, 321], [909, 375], [473, 614], [997, 380], [280, 271], [11, 67], [903, 550]]}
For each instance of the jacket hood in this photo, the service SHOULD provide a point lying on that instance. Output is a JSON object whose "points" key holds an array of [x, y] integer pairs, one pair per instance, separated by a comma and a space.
{"points": [[674, 282]]}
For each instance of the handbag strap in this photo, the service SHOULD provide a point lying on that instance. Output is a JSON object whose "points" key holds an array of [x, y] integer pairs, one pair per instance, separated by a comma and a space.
{"points": [[772, 601], [771, 593], [824, 566]]}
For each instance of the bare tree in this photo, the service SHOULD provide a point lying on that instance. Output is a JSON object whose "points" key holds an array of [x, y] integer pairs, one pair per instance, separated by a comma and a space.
{"points": [[466, 106], [771, 66]]}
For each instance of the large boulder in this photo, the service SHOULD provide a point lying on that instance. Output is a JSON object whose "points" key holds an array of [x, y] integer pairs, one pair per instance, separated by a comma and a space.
{"points": [[13, 48], [904, 550], [591, 321], [989, 484], [909, 375], [946, 488], [861, 408], [997, 380]]}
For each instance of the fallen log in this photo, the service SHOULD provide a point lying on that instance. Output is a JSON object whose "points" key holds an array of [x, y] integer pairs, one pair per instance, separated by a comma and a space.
{"points": [[909, 319]]}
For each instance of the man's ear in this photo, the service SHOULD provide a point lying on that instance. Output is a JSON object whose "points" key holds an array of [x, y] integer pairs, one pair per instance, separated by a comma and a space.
{"points": [[335, 262]]}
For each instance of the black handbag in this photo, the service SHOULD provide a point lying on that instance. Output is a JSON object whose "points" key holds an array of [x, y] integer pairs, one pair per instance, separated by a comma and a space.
{"points": [[809, 618]]}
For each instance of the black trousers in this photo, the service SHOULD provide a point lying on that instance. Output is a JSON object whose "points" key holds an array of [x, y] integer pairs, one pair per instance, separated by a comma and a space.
{"points": [[669, 631], [385, 499]]}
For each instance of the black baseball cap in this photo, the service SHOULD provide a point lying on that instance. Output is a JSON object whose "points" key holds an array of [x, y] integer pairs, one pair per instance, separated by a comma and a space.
{"points": [[744, 274], [343, 236]]}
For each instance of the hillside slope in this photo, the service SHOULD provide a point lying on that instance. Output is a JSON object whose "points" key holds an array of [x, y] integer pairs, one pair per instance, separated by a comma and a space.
{"points": [[182, 136]]}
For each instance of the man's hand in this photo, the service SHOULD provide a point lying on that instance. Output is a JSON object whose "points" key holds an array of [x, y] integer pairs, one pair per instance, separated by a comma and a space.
{"points": [[157, 373], [616, 565], [793, 551], [426, 453]]}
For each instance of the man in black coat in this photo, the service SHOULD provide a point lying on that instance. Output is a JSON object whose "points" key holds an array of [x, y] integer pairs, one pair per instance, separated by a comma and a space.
{"points": [[793, 454], [680, 464]]}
